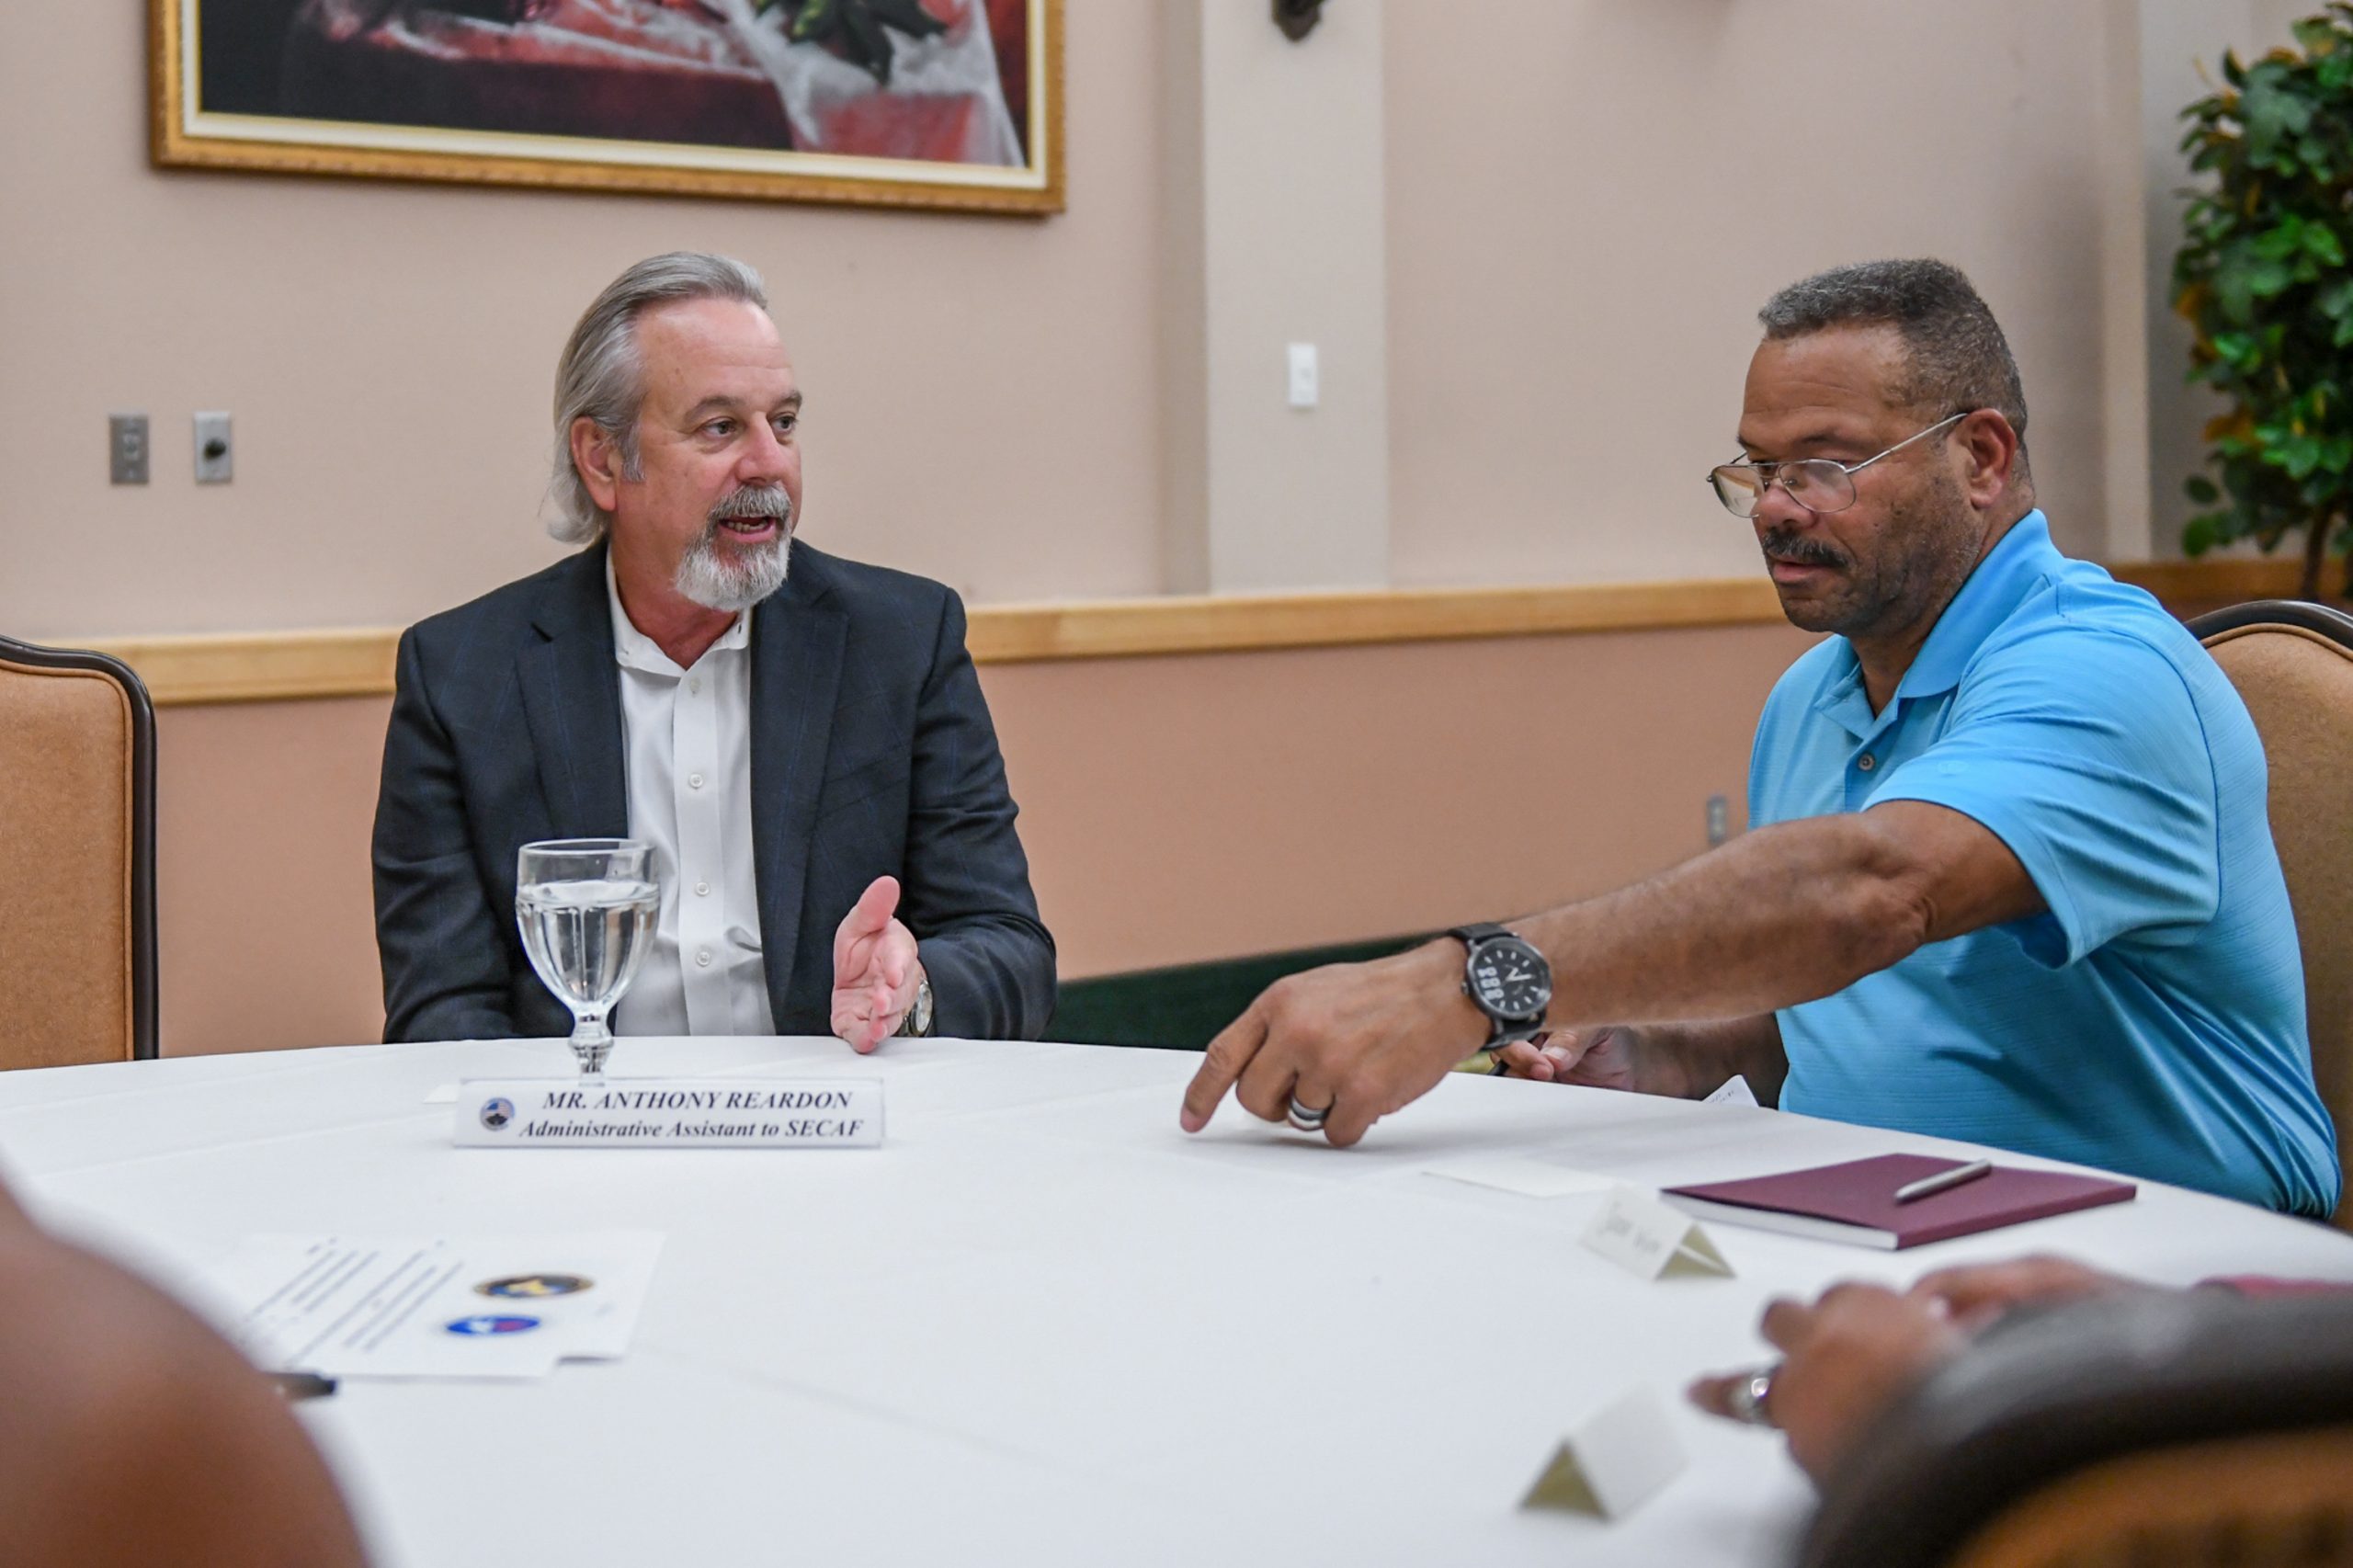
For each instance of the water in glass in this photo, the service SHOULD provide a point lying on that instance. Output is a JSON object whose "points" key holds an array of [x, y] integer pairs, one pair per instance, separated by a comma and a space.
{"points": [[588, 937]]}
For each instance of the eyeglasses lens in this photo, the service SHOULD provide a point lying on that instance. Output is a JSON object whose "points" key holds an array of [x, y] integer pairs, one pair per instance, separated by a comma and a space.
{"points": [[1738, 487], [1816, 484]]}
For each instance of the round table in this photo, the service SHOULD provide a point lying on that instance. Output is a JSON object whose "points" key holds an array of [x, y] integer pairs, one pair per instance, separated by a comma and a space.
{"points": [[1040, 1325]]}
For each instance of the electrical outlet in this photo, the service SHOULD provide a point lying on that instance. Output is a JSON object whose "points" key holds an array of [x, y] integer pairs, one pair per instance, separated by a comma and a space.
{"points": [[213, 456], [1719, 820], [127, 449]]}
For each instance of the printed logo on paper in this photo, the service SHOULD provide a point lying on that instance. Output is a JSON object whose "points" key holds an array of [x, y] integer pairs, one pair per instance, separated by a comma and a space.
{"points": [[480, 1327], [535, 1285], [497, 1112]]}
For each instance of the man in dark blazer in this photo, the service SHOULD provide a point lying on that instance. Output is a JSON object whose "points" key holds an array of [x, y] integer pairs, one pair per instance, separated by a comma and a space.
{"points": [[855, 824]]}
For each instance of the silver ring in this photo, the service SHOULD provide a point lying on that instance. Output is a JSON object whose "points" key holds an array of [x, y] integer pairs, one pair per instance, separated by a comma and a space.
{"points": [[1304, 1118], [1750, 1396]]}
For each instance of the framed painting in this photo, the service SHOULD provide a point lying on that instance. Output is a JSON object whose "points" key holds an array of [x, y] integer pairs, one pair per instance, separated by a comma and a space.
{"points": [[914, 103]]}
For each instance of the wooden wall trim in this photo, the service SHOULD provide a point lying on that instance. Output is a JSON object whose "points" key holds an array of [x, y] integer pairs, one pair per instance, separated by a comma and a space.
{"points": [[267, 667]]}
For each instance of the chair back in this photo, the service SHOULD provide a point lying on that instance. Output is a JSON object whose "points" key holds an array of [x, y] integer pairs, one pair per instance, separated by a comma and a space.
{"points": [[2187, 1429], [77, 844], [2292, 663]]}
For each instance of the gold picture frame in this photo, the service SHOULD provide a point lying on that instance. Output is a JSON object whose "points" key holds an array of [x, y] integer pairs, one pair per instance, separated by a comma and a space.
{"points": [[186, 133]]}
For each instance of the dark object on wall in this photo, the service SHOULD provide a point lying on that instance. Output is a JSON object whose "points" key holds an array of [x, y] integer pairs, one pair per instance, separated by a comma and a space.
{"points": [[1298, 17]]}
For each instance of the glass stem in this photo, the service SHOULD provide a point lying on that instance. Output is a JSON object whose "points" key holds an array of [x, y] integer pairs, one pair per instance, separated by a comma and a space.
{"points": [[592, 1042]]}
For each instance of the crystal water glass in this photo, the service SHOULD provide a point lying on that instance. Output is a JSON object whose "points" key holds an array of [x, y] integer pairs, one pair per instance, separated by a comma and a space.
{"points": [[587, 909]]}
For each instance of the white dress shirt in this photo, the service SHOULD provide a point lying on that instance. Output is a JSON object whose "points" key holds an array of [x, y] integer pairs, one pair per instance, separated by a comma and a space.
{"points": [[688, 734]]}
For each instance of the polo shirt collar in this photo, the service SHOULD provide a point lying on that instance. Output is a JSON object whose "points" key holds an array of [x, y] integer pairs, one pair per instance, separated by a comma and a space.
{"points": [[2020, 560], [635, 651]]}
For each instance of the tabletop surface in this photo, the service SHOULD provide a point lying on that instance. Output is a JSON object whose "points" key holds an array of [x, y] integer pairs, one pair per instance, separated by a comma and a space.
{"points": [[1040, 1325]]}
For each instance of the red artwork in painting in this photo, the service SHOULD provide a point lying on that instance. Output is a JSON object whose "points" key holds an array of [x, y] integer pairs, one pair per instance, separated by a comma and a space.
{"points": [[939, 81]]}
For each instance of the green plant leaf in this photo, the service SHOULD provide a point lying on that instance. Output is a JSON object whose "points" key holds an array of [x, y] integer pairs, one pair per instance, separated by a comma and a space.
{"points": [[2201, 534], [2201, 489], [2264, 279]]}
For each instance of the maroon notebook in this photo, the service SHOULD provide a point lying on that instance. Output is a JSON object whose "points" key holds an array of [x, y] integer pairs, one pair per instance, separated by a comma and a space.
{"points": [[1856, 1201]]}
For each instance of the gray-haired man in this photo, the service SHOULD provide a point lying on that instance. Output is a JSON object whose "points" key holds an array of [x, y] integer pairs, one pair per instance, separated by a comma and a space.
{"points": [[807, 750]]}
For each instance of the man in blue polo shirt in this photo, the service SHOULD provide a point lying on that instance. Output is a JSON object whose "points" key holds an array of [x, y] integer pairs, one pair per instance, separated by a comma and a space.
{"points": [[2009, 878]]}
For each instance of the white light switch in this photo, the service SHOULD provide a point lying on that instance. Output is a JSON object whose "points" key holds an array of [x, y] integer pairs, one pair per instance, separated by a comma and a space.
{"points": [[1303, 387]]}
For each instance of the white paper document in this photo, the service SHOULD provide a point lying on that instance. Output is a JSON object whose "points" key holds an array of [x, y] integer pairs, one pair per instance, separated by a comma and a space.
{"points": [[374, 1306], [1733, 1090], [1515, 1172]]}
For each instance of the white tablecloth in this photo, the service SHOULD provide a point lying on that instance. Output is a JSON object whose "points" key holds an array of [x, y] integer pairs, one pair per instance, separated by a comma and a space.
{"points": [[1041, 1325]]}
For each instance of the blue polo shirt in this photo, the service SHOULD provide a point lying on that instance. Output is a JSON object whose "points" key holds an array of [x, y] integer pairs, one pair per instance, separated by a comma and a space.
{"points": [[2152, 1020]]}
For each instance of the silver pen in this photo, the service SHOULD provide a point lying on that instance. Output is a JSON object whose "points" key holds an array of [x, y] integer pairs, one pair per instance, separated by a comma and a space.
{"points": [[1943, 1181]]}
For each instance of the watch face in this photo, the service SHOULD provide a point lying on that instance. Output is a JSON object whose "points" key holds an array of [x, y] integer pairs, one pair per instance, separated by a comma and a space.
{"points": [[1510, 978]]}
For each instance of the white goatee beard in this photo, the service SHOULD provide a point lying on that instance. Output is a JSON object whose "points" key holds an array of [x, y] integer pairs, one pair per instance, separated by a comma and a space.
{"points": [[734, 578]]}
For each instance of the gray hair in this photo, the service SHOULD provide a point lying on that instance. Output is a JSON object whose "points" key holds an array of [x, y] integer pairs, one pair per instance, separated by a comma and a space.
{"points": [[600, 378], [1957, 360]]}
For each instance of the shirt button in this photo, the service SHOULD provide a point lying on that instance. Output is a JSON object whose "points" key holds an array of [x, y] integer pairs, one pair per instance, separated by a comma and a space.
{"points": [[702, 889], [694, 683], [1867, 762], [702, 957], [694, 780]]}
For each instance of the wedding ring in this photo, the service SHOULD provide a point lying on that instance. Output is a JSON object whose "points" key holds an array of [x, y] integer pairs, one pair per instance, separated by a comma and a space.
{"points": [[1749, 1397], [1306, 1119]]}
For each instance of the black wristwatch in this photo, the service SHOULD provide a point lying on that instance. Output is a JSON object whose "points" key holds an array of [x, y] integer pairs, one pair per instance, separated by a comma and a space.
{"points": [[1506, 979]]}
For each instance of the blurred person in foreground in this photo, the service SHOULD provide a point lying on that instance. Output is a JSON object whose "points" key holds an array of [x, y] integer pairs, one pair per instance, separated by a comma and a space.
{"points": [[800, 739], [1858, 1349], [2009, 878], [134, 1436]]}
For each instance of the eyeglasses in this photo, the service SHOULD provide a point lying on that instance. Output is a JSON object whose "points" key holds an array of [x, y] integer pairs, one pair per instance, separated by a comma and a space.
{"points": [[1819, 484]]}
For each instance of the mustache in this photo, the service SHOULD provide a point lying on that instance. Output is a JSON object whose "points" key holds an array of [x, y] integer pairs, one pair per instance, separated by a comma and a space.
{"points": [[1784, 544], [756, 501]]}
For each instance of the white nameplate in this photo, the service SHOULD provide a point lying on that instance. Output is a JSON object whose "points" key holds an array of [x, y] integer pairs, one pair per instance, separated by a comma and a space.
{"points": [[1649, 1238], [670, 1113], [1614, 1462]]}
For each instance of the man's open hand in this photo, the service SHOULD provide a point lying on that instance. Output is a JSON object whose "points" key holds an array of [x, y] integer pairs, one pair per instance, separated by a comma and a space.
{"points": [[875, 968], [1362, 1040]]}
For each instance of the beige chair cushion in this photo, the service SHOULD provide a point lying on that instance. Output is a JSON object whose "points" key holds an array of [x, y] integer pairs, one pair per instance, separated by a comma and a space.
{"points": [[2299, 686], [2269, 1500], [65, 844]]}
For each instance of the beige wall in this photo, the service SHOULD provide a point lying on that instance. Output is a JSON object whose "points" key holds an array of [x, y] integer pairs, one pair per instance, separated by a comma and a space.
{"points": [[1588, 200], [983, 396], [1173, 809]]}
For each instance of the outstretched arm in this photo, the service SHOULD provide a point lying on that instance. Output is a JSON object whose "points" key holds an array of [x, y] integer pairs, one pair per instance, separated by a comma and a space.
{"points": [[1780, 915]]}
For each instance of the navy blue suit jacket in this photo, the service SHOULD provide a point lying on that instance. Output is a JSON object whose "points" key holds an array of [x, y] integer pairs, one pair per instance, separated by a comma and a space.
{"points": [[872, 754]]}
